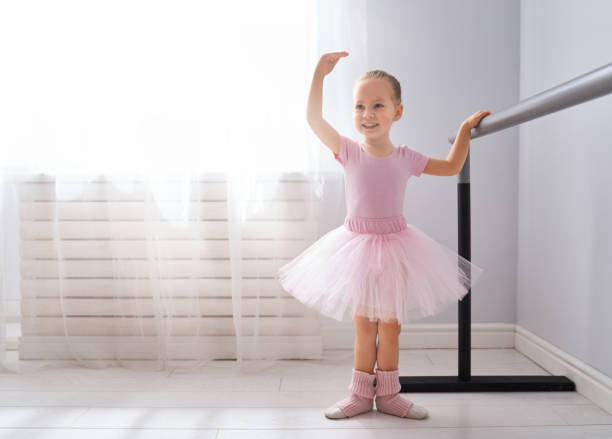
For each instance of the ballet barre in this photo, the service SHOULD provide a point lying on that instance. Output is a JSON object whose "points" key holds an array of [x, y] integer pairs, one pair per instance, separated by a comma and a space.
{"points": [[591, 85], [583, 88]]}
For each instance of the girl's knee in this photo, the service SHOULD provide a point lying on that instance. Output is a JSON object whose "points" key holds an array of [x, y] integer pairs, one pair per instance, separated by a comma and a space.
{"points": [[364, 327], [389, 329]]}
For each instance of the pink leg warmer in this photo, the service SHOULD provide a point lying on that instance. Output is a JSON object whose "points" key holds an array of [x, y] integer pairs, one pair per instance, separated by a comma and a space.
{"points": [[362, 394], [388, 399]]}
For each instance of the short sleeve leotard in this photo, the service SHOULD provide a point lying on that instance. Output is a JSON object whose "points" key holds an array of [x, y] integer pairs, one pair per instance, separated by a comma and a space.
{"points": [[375, 186]]}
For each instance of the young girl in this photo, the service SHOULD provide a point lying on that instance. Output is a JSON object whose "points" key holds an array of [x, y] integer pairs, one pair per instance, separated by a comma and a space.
{"points": [[384, 271]]}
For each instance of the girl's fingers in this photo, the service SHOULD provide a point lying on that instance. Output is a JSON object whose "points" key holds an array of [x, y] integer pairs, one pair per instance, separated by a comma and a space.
{"points": [[335, 55]]}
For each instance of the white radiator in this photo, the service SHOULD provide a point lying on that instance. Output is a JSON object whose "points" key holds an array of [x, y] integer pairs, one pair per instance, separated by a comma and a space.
{"points": [[107, 290]]}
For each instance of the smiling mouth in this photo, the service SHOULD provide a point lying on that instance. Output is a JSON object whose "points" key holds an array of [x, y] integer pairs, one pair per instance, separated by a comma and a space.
{"points": [[369, 127]]}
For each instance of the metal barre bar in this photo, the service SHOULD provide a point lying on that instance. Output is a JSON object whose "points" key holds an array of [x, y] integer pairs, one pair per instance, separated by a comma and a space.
{"points": [[583, 88]]}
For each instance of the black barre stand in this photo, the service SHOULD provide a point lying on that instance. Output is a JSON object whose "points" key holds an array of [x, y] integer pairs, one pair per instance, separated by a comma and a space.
{"points": [[465, 382]]}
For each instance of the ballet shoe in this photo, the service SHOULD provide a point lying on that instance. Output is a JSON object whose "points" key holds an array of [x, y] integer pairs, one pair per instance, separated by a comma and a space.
{"points": [[417, 412], [388, 399], [360, 400], [334, 412]]}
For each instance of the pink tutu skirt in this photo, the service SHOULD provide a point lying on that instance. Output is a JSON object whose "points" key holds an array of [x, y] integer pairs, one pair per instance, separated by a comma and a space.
{"points": [[383, 269]]}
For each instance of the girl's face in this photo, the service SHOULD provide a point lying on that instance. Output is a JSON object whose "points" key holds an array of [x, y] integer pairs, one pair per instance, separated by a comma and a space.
{"points": [[373, 105]]}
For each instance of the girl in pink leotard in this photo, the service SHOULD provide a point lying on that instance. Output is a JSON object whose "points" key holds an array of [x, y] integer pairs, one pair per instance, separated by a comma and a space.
{"points": [[376, 267]]}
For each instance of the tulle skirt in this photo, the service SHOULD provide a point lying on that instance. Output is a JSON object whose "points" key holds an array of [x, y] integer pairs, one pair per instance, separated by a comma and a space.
{"points": [[383, 269]]}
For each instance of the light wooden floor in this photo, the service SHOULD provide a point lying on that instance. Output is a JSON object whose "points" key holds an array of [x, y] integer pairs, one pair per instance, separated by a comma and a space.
{"points": [[284, 399]]}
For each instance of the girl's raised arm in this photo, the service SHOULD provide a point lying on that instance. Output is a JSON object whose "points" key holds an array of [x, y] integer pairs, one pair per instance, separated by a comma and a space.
{"points": [[314, 114]]}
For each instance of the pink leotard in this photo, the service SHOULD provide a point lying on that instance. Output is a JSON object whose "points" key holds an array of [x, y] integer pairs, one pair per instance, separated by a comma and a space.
{"points": [[375, 186]]}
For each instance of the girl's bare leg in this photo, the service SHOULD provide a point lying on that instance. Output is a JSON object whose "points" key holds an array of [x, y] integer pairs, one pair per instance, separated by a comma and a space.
{"points": [[387, 353], [365, 344]]}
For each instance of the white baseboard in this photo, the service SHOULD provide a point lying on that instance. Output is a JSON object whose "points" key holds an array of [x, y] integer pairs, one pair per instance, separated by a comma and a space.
{"points": [[589, 382]]}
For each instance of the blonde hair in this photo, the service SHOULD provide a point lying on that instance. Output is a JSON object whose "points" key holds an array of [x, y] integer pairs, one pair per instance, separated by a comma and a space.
{"points": [[381, 74]]}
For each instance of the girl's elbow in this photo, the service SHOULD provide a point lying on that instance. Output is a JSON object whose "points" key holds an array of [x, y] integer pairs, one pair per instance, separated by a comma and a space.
{"points": [[453, 169]]}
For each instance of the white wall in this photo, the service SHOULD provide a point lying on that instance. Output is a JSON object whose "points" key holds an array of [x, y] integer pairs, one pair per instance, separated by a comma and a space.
{"points": [[565, 203], [452, 59]]}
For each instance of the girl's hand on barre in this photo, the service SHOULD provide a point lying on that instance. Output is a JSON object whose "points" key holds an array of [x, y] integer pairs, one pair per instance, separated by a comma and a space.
{"points": [[475, 119], [328, 62]]}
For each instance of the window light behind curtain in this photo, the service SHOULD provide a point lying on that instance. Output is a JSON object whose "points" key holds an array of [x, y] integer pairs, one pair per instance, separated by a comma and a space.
{"points": [[156, 171]]}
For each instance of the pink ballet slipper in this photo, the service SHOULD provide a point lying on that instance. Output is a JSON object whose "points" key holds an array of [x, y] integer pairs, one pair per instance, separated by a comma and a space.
{"points": [[388, 399], [361, 399]]}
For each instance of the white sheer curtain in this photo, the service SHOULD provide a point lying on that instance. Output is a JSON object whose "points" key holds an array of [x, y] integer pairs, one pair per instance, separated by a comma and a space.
{"points": [[156, 171]]}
